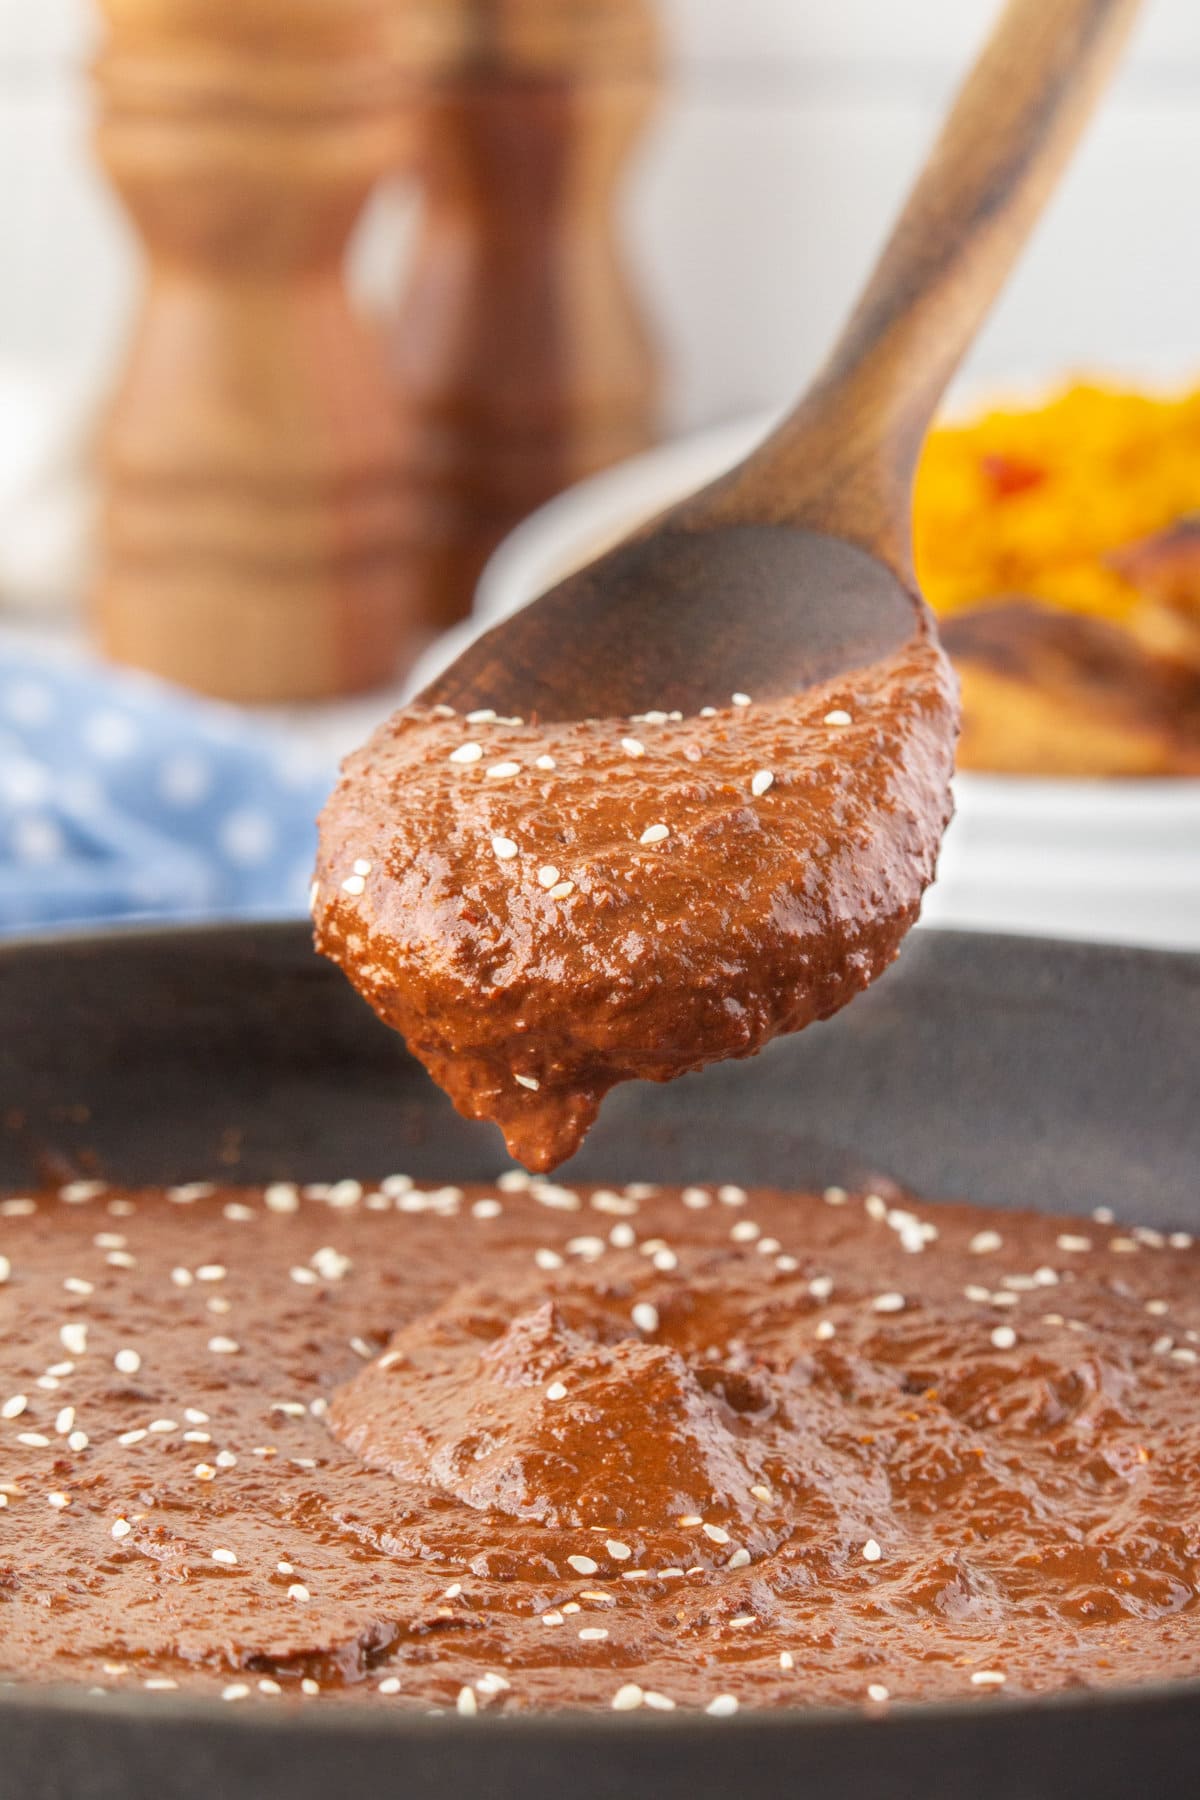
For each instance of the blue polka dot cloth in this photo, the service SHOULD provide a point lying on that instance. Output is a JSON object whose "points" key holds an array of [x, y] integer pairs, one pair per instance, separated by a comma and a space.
{"points": [[122, 797]]}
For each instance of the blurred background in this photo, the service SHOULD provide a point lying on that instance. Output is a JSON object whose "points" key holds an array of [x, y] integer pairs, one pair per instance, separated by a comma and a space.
{"points": [[307, 303]]}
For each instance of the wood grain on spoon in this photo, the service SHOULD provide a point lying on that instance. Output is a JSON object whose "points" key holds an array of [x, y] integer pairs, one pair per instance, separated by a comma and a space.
{"points": [[691, 798]]}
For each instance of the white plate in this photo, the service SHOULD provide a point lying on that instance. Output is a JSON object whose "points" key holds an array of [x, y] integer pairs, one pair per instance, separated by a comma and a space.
{"points": [[1116, 860]]}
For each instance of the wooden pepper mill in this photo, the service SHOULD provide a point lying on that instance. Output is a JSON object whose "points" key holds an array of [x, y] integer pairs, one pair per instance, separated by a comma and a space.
{"points": [[522, 362], [252, 532]]}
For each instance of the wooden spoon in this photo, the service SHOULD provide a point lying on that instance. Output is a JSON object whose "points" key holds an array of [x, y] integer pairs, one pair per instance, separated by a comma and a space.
{"points": [[798, 564], [715, 791]]}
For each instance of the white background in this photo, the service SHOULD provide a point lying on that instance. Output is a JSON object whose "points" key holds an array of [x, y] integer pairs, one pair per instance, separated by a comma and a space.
{"points": [[787, 138]]}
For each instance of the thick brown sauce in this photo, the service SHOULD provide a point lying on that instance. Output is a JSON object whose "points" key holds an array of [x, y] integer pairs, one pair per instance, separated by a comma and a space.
{"points": [[508, 1449], [545, 911]]}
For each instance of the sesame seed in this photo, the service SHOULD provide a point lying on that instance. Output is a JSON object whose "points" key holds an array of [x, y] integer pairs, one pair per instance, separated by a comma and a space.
{"points": [[76, 1192], [211, 1272], [839, 716], [160, 1683], [786, 1660], [548, 876], [695, 1199], [988, 1678], [58, 1501], [871, 1551], [740, 699], [504, 849], [556, 1391], [181, 1277], [73, 1338], [552, 1618], [562, 889], [483, 715], [228, 1557], [760, 782], [128, 1438], [548, 1260], [78, 1440], [5, 1270], [74, 1284], [593, 1634], [729, 1195], [267, 1686], [467, 753], [121, 1528], [825, 1330], [617, 1550], [502, 771], [723, 1706], [237, 1690], [877, 1692], [281, 1197], [353, 884], [654, 834], [204, 1472], [633, 746], [1004, 1337], [33, 1440], [627, 1698], [546, 763], [984, 1242], [888, 1303], [1071, 1242], [304, 1277], [14, 1407], [645, 1316], [716, 1532], [739, 1560], [362, 866], [742, 1620], [65, 1421], [466, 1703], [309, 1686], [223, 1346], [528, 1081], [583, 1565], [298, 1591]]}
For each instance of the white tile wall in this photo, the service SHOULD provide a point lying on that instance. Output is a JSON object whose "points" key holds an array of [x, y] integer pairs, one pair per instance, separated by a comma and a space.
{"points": [[791, 131]]}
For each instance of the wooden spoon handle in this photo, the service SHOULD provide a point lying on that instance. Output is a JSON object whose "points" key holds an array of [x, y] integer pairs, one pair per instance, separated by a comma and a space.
{"points": [[844, 460]]}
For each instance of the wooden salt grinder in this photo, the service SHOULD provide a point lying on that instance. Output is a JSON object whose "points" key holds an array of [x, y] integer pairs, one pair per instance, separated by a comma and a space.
{"points": [[522, 362], [252, 528]]}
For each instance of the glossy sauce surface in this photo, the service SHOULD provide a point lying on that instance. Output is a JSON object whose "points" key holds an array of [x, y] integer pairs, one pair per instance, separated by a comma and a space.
{"points": [[521, 1448], [545, 911]]}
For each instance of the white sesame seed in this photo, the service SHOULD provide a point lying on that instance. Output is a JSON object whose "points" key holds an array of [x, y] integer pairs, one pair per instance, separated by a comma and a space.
{"points": [[871, 1551], [237, 1690], [181, 1277], [223, 1346], [729, 1195], [73, 1338], [528, 1081], [745, 1231], [739, 1560], [654, 834], [696, 1199], [548, 876], [128, 1438], [545, 763], [466, 1703], [58, 1501], [281, 1197], [5, 1270], [121, 1528], [1004, 1337], [717, 1533], [211, 1272], [467, 753], [824, 1331], [984, 1242], [988, 1678], [65, 1422], [877, 1692], [617, 1550], [633, 746], [266, 1686], [304, 1277], [298, 1591], [562, 889], [786, 1660], [723, 1706], [204, 1472], [504, 849], [556, 1391], [120, 1259], [583, 1565], [1071, 1242], [888, 1303], [159, 1683], [740, 699], [645, 1316], [33, 1440], [74, 1284], [76, 1192], [552, 1618], [78, 1440], [14, 1407], [742, 1620], [547, 1259], [502, 771], [627, 1698], [483, 715], [1183, 1355], [761, 782], [353, 884], [839, 716], [228, 1557]]}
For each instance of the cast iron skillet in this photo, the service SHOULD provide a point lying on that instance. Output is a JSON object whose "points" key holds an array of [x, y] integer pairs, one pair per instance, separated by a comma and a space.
{"points": [[1011, 1070]]}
